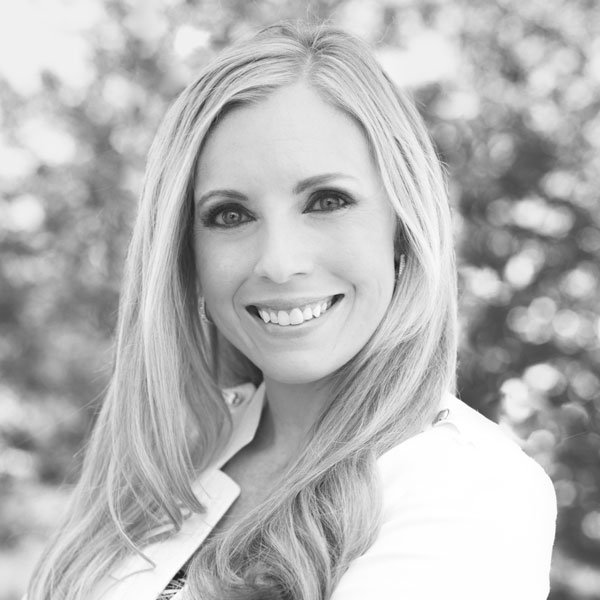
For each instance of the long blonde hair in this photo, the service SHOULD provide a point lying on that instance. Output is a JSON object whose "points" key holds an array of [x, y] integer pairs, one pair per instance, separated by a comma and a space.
{"points": [[164, 419]]}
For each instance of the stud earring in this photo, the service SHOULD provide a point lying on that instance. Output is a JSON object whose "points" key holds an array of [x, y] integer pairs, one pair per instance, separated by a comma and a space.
{"points": [[203, 312], [401, 265]]}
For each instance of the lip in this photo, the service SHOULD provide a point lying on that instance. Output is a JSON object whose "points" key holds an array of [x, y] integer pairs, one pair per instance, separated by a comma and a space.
{"points": [[293, 331], [290, 303]]}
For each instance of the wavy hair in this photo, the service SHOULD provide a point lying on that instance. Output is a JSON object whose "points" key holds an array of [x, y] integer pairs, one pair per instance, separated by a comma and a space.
{"points": [[164, 420]]}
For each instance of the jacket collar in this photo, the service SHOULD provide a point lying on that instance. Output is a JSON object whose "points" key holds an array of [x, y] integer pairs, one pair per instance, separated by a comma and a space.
{"points": [[134, 577], [213, 488], [245, 404]]}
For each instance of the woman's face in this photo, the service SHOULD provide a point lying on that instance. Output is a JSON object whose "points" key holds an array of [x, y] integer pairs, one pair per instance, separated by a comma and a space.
{"points": [[294, 235]]}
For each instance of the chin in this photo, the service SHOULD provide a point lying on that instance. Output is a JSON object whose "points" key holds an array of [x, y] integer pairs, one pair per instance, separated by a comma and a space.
{"points": [[292, 373]]}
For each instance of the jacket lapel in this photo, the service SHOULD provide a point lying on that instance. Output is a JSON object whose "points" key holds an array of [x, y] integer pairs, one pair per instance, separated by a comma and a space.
{"points": [[134, 577]]}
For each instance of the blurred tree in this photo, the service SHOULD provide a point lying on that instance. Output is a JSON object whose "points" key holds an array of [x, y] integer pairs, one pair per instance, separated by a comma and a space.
{"points": [[527, 176]]}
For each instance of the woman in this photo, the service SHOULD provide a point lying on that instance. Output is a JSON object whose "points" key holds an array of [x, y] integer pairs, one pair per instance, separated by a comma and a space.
{"points": [[280, 421]]}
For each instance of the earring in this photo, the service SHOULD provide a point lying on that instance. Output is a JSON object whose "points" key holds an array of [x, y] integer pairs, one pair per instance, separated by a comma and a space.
{"points": [[203, 312], [401, 265]]}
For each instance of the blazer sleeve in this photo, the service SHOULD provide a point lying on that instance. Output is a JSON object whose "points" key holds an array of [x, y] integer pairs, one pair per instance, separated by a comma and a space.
{"points": [[458, 523]]}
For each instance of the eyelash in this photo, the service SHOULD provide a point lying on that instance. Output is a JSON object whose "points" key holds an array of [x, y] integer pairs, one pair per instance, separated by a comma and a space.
{"points": [[211, 216]]}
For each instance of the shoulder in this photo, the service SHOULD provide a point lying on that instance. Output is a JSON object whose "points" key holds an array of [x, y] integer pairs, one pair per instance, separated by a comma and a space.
{"points": [[466, 514], [465, 456]]}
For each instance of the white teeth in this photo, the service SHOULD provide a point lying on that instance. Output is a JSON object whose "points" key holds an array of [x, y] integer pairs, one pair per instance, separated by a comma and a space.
{"points": [[296, 316]]}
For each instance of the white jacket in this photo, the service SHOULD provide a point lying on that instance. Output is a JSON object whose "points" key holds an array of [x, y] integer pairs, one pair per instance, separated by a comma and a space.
{"points": [[466, 516]]}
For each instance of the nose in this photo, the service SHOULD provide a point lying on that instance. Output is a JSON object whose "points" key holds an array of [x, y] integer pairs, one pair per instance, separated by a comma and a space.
{"points": [[284, 252]]}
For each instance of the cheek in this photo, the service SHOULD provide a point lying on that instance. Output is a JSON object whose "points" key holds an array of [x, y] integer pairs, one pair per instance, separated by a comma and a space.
{"points": [[202, 255], [369, 259], [217, 266]]}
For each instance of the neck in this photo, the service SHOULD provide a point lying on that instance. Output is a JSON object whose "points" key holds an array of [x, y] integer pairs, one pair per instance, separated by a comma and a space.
{"points": [[289, 413]]}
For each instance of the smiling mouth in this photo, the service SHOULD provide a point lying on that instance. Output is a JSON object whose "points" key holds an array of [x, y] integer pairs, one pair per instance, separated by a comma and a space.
{"points": [[294, 316]]}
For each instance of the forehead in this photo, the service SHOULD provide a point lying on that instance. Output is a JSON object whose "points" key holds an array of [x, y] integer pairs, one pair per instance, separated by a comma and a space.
{"points": [[293, 132]]}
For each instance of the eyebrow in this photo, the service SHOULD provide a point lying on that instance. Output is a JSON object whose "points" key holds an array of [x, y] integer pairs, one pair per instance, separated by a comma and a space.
{"points": [[233, 194], [316, 180], [300, 187]]}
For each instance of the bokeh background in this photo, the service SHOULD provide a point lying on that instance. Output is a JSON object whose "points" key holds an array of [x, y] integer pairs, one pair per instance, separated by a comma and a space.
{"points": [[511, 92]]}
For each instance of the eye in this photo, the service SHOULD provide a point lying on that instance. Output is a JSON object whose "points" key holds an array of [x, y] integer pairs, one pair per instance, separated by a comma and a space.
{"points": [[228, 216], [329, 201]]}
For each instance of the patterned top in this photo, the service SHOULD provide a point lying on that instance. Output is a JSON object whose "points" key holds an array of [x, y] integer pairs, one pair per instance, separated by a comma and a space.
{"points": [[175, 585]]}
